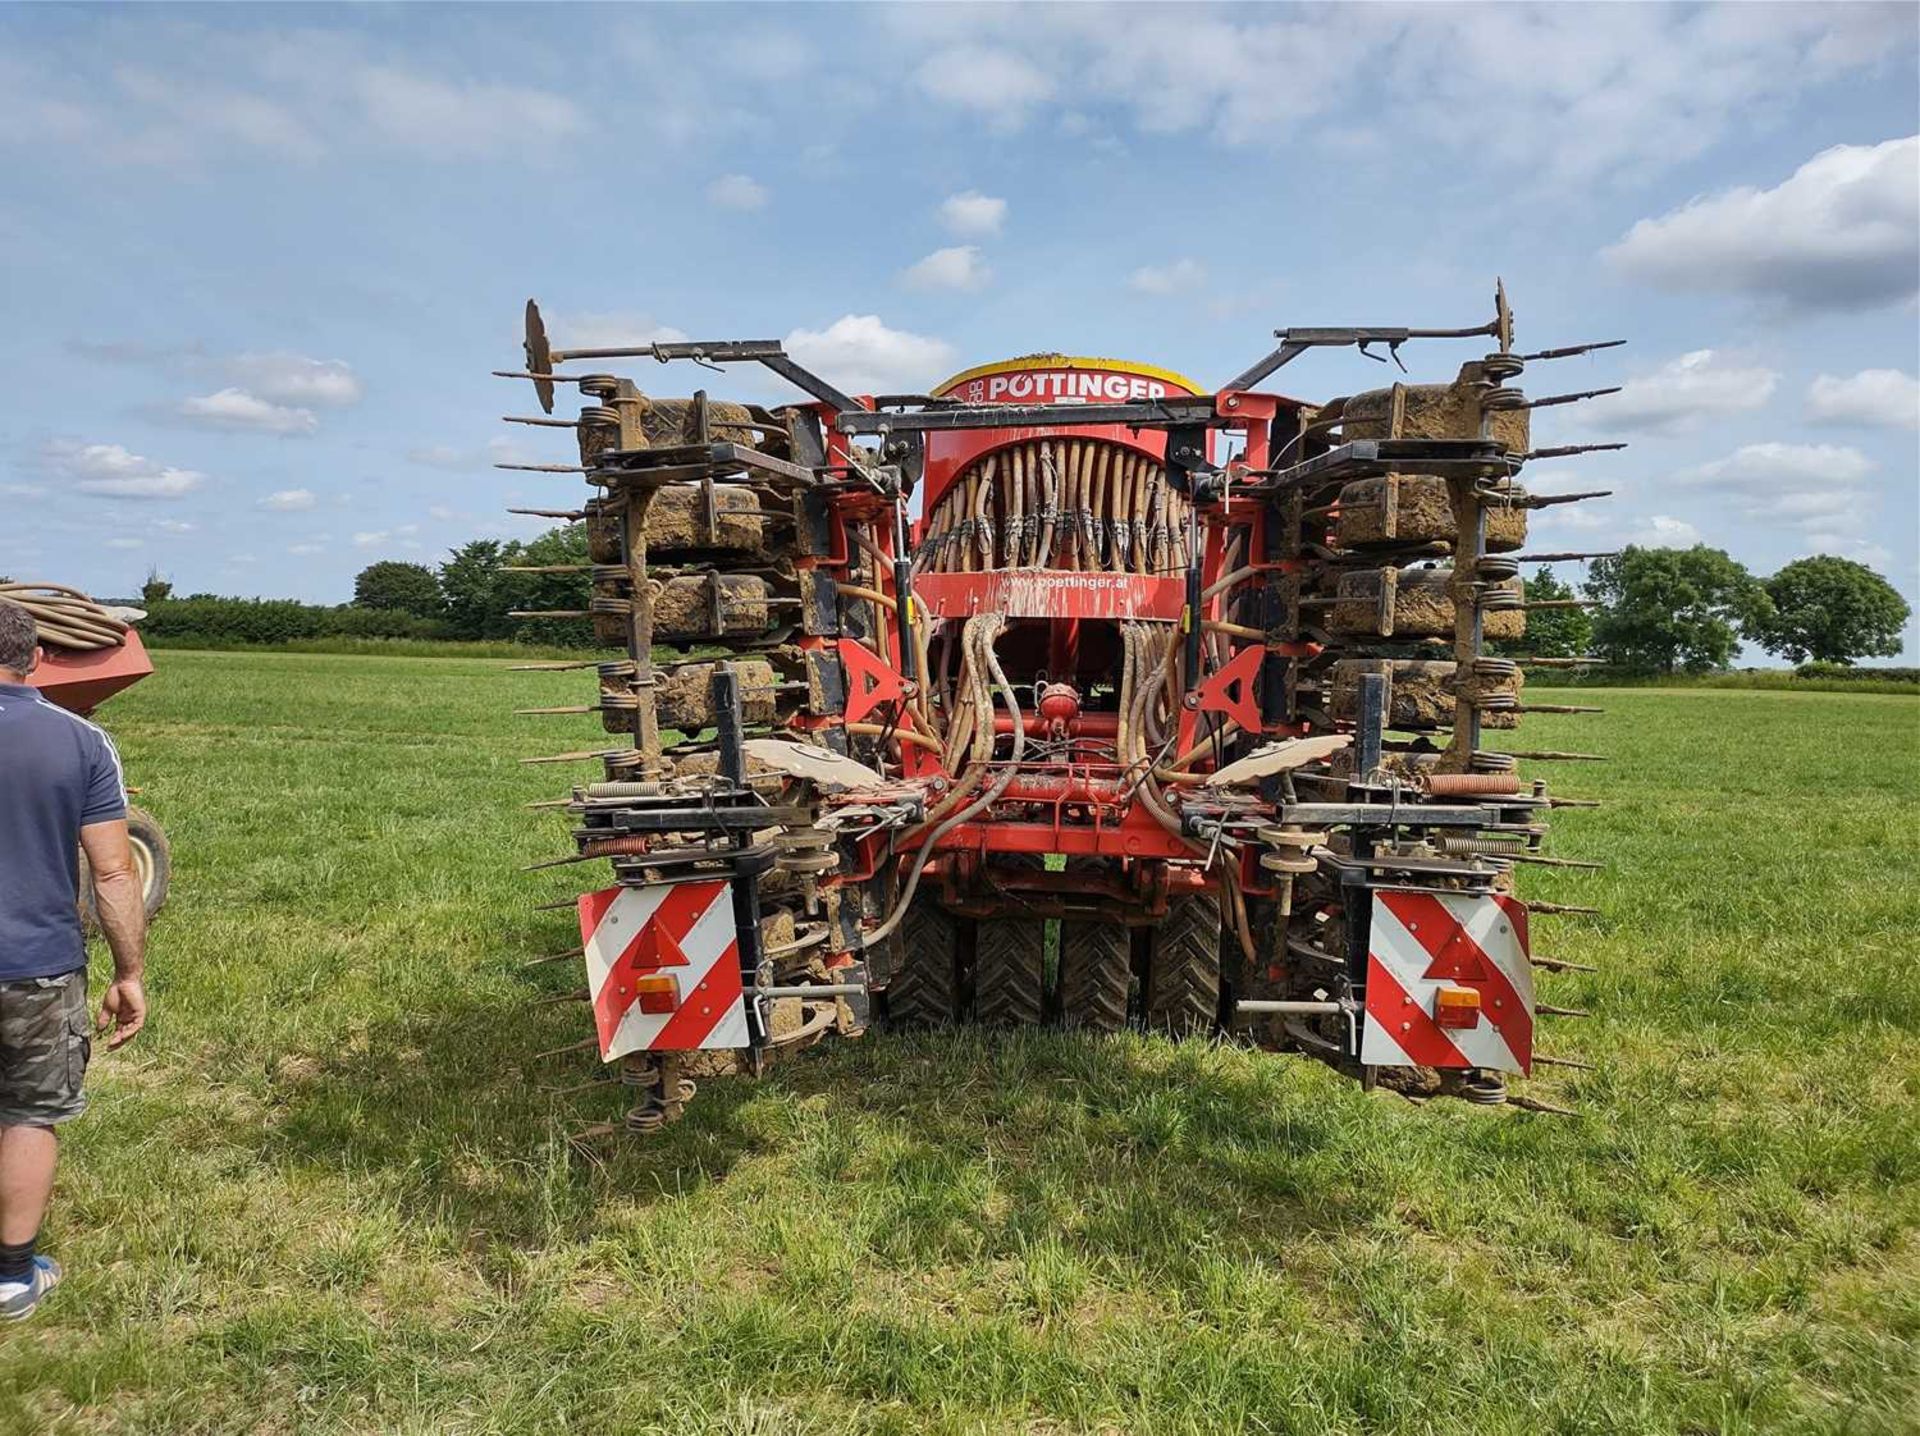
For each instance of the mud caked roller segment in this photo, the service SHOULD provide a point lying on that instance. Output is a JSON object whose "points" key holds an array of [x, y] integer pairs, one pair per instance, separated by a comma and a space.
{"points": [[1195, 681]]}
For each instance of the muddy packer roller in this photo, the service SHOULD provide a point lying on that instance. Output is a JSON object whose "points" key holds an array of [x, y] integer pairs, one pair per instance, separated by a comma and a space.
{"points": [[1196, 681]]}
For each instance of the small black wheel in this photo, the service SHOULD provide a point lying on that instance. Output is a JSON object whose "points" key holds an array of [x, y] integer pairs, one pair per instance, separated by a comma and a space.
{"points": [[925, 988], [1183, 977], [1010, 972], [1096, 970]]}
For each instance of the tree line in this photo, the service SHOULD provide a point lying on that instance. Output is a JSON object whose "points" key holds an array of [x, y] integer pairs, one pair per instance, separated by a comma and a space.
{"points": [[1645, 611], [1669, 610]]}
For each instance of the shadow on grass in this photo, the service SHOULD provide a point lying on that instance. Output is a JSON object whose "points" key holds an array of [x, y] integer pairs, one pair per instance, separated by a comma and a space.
{"points": [[953, 1131]]}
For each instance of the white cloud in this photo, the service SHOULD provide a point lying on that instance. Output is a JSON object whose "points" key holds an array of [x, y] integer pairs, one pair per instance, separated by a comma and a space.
{"points": [[1664, 531], [862, 355], [611, 329], [24, 491], [175, 526], [973, 215], [1842, 232], [1885, 398], [741, 192], [497, 450], [454, 119], [289, 501], [122, 541], [441, 512], [958, 267], [1818, 488], [395, 537], [1873, 555], [286, 378], [1682, 394], [1180, 277], [237, 409], [306, 548], [112, 471], [995, 83], [1755, 468]]}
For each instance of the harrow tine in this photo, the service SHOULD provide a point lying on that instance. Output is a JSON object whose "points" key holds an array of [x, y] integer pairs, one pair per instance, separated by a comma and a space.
{"points": [[1568, 451], [539, 803], [1571, 350], [1554, 399], [1522, 708], [566, 956], [1544, 557], [580, 757], [1553, 862], [544, 468], [1557, 909], [563, 905], [1541, 1060], [1534, 1104], [1553, 802], [570, 515], [568, 666], [1543, 1009], [1547, 501], [586, 1044], [1560, 964], [572, 709], [578, 994], [540, 421], [1548, 755]]}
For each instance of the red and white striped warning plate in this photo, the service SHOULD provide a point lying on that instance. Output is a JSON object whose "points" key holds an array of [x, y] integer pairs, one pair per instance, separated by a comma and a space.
{"points": [[1423, 942], [684, 931]]}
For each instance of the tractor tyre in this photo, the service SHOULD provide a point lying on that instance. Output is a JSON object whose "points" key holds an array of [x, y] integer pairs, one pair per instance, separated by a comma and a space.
{"points": [[1096, 970], [152, 864], [1183, 976], [1010, 975], [925, 990]]}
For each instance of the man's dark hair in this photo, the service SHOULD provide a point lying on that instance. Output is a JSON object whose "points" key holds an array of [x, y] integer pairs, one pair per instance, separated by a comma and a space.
{"points": [[19, 636]]}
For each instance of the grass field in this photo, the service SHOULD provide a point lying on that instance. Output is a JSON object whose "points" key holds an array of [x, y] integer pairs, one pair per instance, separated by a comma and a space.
{"points": [[323, 1192]]}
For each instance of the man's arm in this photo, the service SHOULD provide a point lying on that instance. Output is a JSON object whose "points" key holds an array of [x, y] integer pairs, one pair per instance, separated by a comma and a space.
{"points": [[122, 911]]}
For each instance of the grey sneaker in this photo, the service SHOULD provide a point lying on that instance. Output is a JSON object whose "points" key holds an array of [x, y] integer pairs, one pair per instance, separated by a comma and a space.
{"points": [[20, 1300]]}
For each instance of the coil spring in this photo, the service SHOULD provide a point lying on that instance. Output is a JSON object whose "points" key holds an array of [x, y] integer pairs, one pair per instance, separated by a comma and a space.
{"points": [[1484, 760], [1480, 847], [1497, 568]]}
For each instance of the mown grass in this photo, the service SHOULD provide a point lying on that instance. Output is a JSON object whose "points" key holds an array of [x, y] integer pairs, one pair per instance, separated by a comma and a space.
{"points": [[325, 1193]]}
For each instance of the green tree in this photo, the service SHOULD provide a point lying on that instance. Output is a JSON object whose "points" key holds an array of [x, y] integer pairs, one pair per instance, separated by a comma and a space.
{"points": [[404, 587], [1830, 609], [155, 590], [473, 585], [1551, 632], [1666, 610]]}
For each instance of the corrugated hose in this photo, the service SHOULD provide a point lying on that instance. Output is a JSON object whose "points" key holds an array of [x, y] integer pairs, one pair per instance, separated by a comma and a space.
{"points": [[66, 617]]}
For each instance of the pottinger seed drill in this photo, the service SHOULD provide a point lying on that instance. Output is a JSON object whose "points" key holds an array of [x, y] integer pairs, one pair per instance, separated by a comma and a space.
{"points": [[1198, 677]]}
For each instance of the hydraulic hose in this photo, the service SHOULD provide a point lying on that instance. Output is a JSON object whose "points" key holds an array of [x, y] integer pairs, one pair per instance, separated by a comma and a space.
{"points": [[986, 799], [66, 617]]}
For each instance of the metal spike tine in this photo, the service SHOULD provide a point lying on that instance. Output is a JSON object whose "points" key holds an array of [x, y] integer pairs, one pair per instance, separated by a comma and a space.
{"points": [[1572, 350], [1560, 909], [588, 1044], [539, 421], [1551, 862], [570, 953], [598, 1082], [580, 757], [555, 712], [1547, 1009], [578, 994], [543, 468], [1521, 708], [1561, 557], [598, 1131], [538, 376], [563, 905], [561, 862], [1567, 451], [558, 666], [549, 613], [1552, 399], [1543, 1061], [1547, 501], [548, 568], [1553, 802], [1534, 1104], [551, 803], [1565, 603], [570, 515], [1547, 755], [1560, 964]]}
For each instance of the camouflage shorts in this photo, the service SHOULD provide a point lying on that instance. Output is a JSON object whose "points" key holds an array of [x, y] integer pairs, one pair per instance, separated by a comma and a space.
{"points": [[45, 1041]]}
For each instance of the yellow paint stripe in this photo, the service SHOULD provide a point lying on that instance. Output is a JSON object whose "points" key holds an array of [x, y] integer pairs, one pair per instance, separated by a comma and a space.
{"points": [[1068, 361]]}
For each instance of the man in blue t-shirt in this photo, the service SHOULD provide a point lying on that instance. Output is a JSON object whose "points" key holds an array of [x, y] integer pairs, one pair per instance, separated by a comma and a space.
{"points": [[60, 792]]}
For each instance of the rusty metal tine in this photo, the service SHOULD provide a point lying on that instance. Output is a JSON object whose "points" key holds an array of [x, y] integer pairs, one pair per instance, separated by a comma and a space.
{"points": [[588, 1044], [1544, 1009], [540, 421], [1540, 1060], [571, 952], [1534, 1104]]}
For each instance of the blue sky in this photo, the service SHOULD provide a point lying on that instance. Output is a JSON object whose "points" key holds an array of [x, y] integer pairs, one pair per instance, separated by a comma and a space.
{"points": [[260, 260]]}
